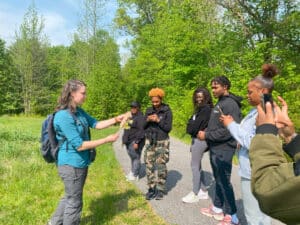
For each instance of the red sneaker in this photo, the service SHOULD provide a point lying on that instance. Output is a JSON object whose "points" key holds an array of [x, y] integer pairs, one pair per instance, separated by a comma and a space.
{"points": [[211, 213]]}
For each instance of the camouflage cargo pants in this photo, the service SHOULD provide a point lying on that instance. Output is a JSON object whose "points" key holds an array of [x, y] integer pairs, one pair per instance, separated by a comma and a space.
{"points": [[156, 157]]}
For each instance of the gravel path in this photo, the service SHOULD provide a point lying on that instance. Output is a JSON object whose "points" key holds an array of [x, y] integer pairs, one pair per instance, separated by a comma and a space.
{"points": [[179, 183]]}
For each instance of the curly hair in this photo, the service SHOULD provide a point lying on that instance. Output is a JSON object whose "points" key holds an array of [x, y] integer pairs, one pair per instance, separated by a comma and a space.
{"points": [[206, 94], [222, 80], [65, 100], [266, 78], [157, 92]]}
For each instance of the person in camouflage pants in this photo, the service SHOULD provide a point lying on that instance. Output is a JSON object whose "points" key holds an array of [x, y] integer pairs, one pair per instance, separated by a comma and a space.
{"points": [[157, 155], [157, 127]]}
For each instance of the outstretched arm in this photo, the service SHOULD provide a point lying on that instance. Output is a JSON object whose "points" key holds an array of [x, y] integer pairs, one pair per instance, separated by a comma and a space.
{"points": [[95, 143]]}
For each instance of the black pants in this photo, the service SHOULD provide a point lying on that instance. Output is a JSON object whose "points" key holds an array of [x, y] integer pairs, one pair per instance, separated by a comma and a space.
{"points": [[221, 163]]}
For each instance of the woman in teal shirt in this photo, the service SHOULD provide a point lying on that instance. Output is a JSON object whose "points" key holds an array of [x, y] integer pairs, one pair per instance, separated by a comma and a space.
{"points": [[71, 124]]}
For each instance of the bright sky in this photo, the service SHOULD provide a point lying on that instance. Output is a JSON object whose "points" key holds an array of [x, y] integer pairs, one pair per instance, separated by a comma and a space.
{"points": [[61, 18]]}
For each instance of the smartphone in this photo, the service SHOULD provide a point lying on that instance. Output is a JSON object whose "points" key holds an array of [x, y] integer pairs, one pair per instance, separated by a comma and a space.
{"points": [[220, 110], [266, 98]]}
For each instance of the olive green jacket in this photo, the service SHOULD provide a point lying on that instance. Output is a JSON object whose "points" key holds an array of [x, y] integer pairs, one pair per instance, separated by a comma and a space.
{"points": [[273, 180]]}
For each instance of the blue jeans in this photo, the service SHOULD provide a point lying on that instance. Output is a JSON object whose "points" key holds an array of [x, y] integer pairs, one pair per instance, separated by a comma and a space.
{"points": [[221, 164], [135, 157], [69, 209], [252, 211]]}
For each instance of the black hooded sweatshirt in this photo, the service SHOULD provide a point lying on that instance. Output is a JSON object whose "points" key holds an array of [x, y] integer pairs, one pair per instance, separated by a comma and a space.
{"points": [[159, 131], [198, 121], [217, 135]]}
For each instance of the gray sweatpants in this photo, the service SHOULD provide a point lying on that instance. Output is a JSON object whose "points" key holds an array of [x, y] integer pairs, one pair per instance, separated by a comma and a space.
{"points": [[198, 148], [69, 209]]}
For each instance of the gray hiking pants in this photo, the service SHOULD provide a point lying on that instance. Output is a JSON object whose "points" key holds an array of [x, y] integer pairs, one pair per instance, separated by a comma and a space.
{"points": [[69, 209]]}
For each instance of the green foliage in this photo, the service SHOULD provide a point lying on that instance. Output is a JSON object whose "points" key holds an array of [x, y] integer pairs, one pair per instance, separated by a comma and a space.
{"points": [[186, 44], [104, 81], [29, 57], [10, 84]]}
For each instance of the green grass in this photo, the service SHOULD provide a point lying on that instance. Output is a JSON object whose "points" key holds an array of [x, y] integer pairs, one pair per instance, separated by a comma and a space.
{"points": [[31, 188]]}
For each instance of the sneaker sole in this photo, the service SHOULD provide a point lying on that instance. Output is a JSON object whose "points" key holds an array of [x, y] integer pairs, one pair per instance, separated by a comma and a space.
{"points": [[216, 217], [184, 201], [203, 198]]}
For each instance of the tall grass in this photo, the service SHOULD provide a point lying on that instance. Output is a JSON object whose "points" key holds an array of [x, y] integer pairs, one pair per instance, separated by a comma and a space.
{"points": [[30, 188]]}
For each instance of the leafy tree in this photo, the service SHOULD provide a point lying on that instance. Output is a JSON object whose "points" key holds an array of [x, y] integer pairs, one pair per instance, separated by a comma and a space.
{"points": [[271, 34], [96, 56], [10, 85], [104, 83], [29, 56], [179, 45], [172, 50], [60, 65]]}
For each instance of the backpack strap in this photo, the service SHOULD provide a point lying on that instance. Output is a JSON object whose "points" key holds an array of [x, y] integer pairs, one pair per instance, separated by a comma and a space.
{"points": [[78, 121], [88, 130]]}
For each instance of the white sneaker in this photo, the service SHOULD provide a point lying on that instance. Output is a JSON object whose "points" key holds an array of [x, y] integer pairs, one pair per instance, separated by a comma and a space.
{"points": [[190, 198], [203, 194], [131, 177]]}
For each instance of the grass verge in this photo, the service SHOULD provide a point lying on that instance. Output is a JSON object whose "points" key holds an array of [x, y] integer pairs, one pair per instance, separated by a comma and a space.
{"points": [[31, 188]]}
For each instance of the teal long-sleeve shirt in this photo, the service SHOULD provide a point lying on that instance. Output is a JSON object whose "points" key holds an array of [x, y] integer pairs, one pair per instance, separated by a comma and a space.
{"points": [[71, 133]]}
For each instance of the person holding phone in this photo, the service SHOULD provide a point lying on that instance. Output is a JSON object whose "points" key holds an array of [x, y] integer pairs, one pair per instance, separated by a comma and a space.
{"points": [[259, 91], [158, 124], [275, 180], [222, 148]]}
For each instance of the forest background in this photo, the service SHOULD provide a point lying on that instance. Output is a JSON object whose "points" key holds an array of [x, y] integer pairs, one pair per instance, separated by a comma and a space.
{"points": [[176, 45]]}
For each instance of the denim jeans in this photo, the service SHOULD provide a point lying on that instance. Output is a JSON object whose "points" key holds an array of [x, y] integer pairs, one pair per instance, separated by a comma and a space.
{"points": [[135, 157], [197, 149], [254, 215], [69, 209], [221, 163]]}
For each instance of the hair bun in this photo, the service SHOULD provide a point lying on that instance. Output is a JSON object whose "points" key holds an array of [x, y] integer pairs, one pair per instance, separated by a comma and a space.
{"points": [[269, 70]]}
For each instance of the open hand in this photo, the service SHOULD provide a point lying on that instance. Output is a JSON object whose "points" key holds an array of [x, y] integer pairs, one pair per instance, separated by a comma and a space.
{"points": [[284, 124]]}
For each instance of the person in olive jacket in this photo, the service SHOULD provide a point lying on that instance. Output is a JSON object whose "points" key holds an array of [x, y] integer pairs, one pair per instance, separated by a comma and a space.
{"points": [[134, 139], [275, 181]]}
